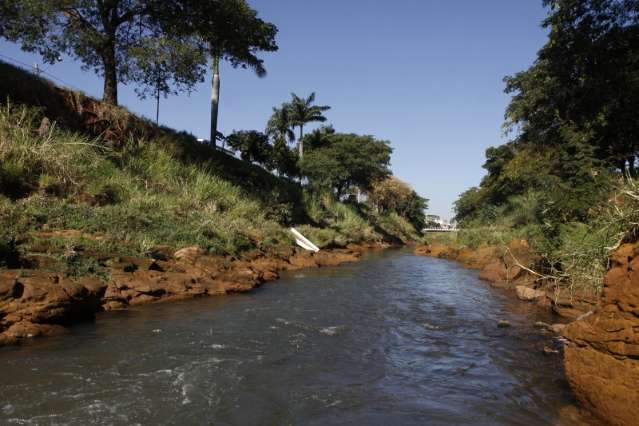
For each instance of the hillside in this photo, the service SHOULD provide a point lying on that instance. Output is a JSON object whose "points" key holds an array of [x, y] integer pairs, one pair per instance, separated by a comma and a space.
{"points": [[76, 173]]}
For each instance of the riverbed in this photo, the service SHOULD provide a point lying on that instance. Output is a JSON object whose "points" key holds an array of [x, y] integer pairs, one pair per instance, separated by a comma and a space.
{"points": [[392, 339]]}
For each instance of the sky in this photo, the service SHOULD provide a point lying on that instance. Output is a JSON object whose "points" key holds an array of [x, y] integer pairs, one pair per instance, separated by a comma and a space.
{"points": [[424, 74]]}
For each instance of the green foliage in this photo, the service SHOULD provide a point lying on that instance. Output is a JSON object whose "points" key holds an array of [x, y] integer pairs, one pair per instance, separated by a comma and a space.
{"points": [[302, 111], [252, 145], [230, 29], [584, 86], [339, 223], [393, 195], [163, 45], [284, 159], [139, 200], [577, 136], [394, 225], [345, 160], [140, 195]]}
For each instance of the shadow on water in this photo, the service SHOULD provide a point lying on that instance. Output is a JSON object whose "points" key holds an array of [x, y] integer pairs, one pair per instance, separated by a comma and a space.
{"points": [[394, 338]]}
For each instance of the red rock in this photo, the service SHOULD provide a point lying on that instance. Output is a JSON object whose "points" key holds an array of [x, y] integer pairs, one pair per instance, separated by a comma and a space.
{"points": [[528, 294], [557, 328], [602, 359], [189, 254]]}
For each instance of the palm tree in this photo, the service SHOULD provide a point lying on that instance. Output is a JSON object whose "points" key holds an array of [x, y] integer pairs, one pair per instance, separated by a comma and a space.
{"points": [[216, 57], [280, 125], [302, 111]]}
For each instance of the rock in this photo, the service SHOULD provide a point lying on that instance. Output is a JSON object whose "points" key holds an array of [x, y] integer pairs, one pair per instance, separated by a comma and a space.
{"points": [[478, 258], [335, 258], [541, 324], [503, 324], [421, 250], [494, 271], [302, 260], [528, 294], [570, 313], [34, 302], [439, 250], [557, 328], [601, 359], [189, 254]]}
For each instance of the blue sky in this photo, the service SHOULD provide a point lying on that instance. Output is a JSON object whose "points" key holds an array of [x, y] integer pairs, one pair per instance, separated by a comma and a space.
{"points": [[424, 74]]}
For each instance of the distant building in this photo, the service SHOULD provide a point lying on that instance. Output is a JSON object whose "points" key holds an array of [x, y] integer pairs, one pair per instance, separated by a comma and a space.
{"points": [[434, 222]]}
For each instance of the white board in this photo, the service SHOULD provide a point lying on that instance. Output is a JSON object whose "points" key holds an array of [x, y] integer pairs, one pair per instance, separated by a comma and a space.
{"points": [[304, 242]]}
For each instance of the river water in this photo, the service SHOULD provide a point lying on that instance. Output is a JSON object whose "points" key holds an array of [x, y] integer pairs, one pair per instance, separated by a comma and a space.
{"points": [[395, 339]]}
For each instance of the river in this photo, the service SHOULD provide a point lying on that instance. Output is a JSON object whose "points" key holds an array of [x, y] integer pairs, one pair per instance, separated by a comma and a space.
{"points": [[393, 339]]}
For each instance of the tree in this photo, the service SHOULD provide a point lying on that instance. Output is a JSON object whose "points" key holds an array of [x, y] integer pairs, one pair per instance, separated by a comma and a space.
{"points": [[279, 126], [232, 31], [393, 195], [574, 116], [119, 38], [252, 145], [284, 159], [167, 72], [347, 160], [111, 37], [584, 84], [302, 112]]}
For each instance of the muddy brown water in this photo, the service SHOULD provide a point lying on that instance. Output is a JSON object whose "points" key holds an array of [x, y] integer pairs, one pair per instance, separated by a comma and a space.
{"points": [[394, 339]]}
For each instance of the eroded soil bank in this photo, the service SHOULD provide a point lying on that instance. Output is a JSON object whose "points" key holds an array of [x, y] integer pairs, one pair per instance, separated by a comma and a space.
{"points": [[34, 302], [601, 357]]}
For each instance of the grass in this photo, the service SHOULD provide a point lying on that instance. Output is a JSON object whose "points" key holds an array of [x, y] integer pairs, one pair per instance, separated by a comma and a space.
{"points": [[577, 253], [128, 186], [140, 196]]}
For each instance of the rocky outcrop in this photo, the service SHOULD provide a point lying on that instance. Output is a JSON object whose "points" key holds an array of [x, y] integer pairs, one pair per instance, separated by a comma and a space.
{"points": [[502, 266], [529, 294], [602, 358], [37, 303]]}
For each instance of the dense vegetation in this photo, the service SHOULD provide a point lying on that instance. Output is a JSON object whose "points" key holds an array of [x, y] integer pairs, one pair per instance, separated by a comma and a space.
{"points": [[76, 173], [565, 180], [122, 184]]}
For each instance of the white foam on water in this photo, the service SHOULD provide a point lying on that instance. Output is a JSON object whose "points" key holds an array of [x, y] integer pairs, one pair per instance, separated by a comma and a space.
{"points": [[217, 346], [157, 330], [430, 326], [8, 409], [331, 331], [185, 393]]}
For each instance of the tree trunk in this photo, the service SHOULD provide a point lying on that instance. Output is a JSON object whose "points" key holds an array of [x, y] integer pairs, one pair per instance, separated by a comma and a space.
{"points": [[110, 93], [301, 142], [215, 97], [157, 106], [632, 171]]}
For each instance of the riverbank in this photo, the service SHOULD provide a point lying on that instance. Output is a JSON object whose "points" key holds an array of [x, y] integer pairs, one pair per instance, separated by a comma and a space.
{"points": [[601, 357], [101, 209], [37, 303]]}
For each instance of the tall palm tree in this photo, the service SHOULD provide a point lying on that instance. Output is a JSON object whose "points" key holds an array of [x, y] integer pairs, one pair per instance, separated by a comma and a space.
{"points": [[280, 125], [302, 111]]}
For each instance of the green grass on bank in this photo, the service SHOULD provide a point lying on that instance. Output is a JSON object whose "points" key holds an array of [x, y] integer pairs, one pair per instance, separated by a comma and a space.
{"points": [[132, 187], [576, 253]]}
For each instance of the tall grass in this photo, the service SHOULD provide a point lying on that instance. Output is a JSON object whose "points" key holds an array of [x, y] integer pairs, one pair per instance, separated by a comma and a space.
{"points": [[141, 194], [577, 253]]}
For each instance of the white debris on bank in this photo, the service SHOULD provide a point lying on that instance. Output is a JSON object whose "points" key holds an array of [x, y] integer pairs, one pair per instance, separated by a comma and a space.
{"points": [[303, 242]]}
